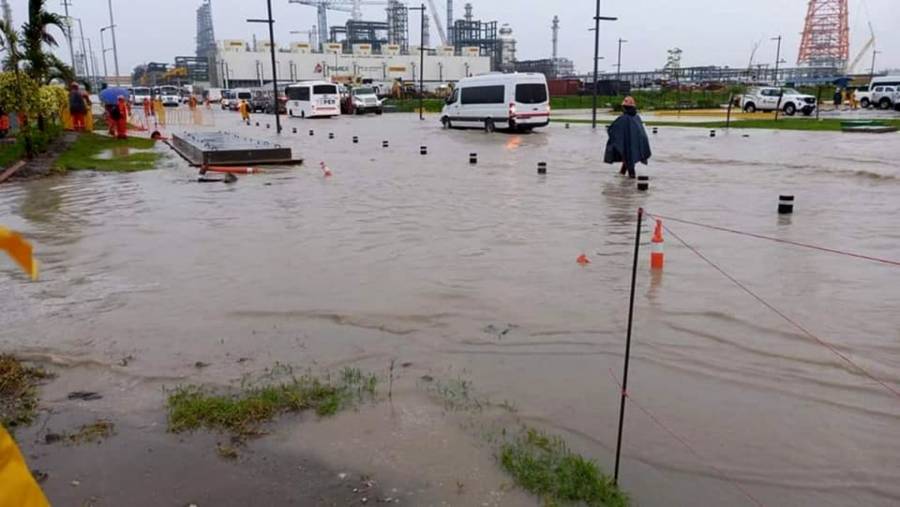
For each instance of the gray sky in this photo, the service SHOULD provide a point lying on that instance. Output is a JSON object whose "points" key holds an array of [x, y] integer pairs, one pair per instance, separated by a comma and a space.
{"points": [[710, 32]]}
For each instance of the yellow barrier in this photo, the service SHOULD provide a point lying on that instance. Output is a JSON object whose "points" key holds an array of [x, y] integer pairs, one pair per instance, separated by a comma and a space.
{"points": [[17, 486], [19, 250]]}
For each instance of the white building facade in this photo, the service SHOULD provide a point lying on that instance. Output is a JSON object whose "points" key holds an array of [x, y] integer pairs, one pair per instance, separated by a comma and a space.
{"points": [[239, 65]]}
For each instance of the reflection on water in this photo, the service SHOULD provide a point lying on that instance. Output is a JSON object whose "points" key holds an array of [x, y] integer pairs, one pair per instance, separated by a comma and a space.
{"points": [[400, 255]]}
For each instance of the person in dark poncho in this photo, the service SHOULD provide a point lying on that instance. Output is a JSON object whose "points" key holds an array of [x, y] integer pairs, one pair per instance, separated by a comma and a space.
{"points": [[628, 142], [77, 107]]}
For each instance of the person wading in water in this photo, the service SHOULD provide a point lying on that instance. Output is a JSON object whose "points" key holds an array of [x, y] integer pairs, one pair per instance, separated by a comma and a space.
{"points": [[628, 142]]}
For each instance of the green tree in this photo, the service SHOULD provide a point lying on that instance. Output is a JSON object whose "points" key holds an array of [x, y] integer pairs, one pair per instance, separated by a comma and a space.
{"points": [[35, 34]]}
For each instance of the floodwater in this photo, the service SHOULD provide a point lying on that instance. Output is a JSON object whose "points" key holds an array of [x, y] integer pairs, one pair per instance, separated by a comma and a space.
{"points": [[469, 271]]}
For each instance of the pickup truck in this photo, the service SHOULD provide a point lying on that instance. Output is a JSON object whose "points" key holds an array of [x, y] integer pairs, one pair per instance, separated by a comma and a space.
{"points": [[884, 96], [768, 99]]}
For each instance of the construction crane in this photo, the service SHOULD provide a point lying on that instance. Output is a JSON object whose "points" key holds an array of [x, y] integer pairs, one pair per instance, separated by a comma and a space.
{"points": [[437, 20], [354, 7], [869, 45]]}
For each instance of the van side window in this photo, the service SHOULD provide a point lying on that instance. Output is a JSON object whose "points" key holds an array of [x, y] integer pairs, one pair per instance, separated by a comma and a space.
{"points": [[453, 98], [534, 93], [483, 95], [300, 93]]}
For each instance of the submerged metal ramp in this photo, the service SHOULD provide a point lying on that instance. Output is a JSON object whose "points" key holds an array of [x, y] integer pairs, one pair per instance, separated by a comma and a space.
{"points": [[228, 149]]}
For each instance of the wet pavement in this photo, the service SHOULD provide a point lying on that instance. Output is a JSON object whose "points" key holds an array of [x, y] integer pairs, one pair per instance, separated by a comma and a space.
{"points": [[468, 271]]}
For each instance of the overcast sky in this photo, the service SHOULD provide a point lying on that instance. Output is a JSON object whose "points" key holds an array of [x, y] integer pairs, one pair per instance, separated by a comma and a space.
{"points": [[710, 32]]}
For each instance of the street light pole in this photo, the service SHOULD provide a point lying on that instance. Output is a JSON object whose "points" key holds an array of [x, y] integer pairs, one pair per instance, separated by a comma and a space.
{"points": [[777, 58], [421, 8], [115, 49], [619, 66], [271, 23], [87, 68], [872, 74], [597, 20], [66, 5], [103, 52]]}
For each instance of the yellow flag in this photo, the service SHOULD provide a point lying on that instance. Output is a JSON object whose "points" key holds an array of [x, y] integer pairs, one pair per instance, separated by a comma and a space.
{"points": [[19, 488], [19, 250]]}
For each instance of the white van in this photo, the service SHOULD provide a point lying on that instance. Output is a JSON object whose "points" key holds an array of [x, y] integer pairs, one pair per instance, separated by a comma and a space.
{"points": [[238, 95], [514, 101], [169, 95], [139, 94], [312, 99]]}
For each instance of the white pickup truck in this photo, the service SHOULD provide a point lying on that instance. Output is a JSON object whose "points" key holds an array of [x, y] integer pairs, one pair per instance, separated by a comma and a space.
{"points": [[768, 99]]}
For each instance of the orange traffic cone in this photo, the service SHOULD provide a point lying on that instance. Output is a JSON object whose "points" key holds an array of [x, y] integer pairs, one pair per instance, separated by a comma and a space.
{"points": [[657, 256], [583, 260]]}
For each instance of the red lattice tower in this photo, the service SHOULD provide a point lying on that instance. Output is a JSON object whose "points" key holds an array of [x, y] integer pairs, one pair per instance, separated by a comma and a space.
{"points": [[826, 34]]}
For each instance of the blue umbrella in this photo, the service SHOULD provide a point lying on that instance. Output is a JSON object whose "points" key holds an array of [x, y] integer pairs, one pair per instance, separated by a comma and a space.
{"points": [[110, 96]]}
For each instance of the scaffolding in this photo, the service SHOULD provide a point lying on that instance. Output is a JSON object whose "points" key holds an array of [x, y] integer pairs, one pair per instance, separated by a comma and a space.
{"points": [[398, 25], [206, 39], [374, 33], [483, 35]]}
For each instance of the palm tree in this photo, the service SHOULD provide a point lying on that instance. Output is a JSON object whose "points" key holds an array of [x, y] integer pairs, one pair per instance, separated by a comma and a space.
{"points": [[36, 33]]}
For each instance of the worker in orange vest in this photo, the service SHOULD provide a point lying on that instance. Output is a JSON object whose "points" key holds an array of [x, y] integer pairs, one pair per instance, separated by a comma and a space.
{"points": [[244, 108], [122, 119]]}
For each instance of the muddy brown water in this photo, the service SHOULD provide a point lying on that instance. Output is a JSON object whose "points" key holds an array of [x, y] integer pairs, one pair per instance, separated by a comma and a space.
{"points": [[469, 272]]}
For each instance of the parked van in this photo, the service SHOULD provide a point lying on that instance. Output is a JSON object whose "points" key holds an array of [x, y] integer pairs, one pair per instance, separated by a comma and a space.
{"points": [[227, 99], [514, 101], [881, 91], [214, 95], [169, 95], [138, 94], [238, 95], [311, 99]]}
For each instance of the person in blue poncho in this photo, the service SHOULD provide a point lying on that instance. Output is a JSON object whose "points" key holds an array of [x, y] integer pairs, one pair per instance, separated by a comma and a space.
{"points": [[628, 142]]}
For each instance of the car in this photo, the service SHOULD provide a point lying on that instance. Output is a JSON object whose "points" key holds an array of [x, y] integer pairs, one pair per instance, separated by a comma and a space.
{"points": [[883, 96], [864, 95], [516, 101], [227, 98], [239, 95], [771, 98], [139, 94], [365, 100], [260, 100]]}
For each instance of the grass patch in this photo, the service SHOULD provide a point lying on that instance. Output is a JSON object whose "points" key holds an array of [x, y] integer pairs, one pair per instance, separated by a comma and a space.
{"points": [[543, 465], [243, 413], [18, 392], [92, 433], [804, 124], [87, 154]]}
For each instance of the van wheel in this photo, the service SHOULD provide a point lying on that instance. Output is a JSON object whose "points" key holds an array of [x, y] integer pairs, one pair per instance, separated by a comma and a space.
{"points": [[446, 122], [790, 109], [489, 126], [865, 103], [885, 103], [303, 114], [750, 108]]}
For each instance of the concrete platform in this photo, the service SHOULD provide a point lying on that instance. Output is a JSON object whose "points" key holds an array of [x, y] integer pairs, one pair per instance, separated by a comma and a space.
{"points": [[229, 149]]}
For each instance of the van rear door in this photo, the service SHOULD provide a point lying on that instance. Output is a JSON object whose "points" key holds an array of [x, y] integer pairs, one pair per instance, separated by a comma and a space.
{"points": [[532, 103]]}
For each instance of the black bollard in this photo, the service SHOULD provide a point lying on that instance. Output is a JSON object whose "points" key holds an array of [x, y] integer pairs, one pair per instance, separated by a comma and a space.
{"points": [[355, 140], [268, 126], [785, 204], [385, 144], [473, 158], [423, 150], [257, 124], [312, 133], [712, 133], [643, 183], [542, 167], [331, 135], [294, 130], [567, 125], [655, 130]]}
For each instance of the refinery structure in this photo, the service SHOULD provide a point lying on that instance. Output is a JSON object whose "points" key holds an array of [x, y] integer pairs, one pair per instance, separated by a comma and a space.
{"points": [[460, 44]]}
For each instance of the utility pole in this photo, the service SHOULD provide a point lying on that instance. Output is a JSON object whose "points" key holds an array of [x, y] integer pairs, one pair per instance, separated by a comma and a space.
{"points": [[597, 20], [115, 49], [66, 5], [777, 58], [271, 23], [872, 74], [103, 50], [421, 8], [619, 66], [93, 64], [87, 68]]}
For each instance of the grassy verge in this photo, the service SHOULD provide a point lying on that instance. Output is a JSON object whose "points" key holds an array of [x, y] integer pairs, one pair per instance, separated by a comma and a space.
{"points": [[18, 392], [647, 100], [12, 152], [243, 413], [89, 150], [806, 124], [412, 105], [543, 465]]}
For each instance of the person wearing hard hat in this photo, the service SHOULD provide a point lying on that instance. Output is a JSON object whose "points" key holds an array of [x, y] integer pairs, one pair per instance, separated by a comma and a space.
{"points": [[244, 108], [628, 142]]}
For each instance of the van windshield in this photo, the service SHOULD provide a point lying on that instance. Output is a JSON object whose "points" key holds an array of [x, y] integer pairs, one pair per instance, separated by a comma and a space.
{"points": [[324, 90], [535, 93], [244, 95], [141, 91], [168, 90]]}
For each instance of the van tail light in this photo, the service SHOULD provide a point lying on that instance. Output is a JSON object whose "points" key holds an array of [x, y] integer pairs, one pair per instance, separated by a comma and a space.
{"points": [[512, 110]]}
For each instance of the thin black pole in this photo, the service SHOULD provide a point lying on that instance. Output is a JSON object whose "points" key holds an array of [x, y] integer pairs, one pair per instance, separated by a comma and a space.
{"points": [[274, 69], [422, 65], [637, 248], [596, 58]]}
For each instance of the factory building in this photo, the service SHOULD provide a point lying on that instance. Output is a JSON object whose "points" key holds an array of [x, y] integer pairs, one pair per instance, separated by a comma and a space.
{"points": [[240, 64]]}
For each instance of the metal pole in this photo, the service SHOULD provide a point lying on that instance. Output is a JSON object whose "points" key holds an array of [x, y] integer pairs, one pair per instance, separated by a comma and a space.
{"points": [[619, 66], [422, 65], [115, 49], [66, 5], [93, 64], [872, 74], [596, 70], [103, 51], [777, 58], [637, 247], [87, 68], [274, 69]]}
